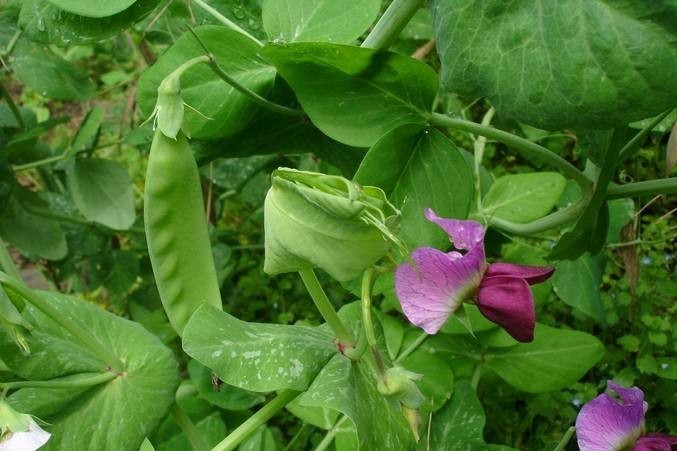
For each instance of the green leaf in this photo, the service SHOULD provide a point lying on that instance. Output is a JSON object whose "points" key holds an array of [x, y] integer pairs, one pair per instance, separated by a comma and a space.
{"points": [[621, 212], [577, 283], [555, 359], [350, 388], [419, 169], [113, 416], [88, 131], [523, 198], [44, 72], [222, 395], [257, 357], [355, 95], [339, 21], [459, 425], [146, 446], [44, 22], [261, 440], [88, 8], [437, 383], [565, 64], [226, 109], [102, 191], [211, 428], [29, 232]]}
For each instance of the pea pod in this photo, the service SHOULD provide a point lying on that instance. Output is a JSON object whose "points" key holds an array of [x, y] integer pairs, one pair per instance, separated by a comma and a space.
{"points": [[176, 230]]}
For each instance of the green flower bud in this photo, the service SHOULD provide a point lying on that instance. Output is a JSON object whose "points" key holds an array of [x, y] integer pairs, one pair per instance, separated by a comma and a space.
{"points": [[323, 221], [400, 384]]}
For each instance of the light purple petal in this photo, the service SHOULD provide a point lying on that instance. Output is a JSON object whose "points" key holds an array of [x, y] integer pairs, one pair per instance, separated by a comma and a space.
{"points": [[434, 286], [655, 442], [532, 274], [508, 302], [465, 235], [608, 424]]}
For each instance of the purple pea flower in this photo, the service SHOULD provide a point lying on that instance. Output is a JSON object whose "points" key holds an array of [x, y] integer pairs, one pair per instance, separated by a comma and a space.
{"points": [[609, 424], [437, 283]]}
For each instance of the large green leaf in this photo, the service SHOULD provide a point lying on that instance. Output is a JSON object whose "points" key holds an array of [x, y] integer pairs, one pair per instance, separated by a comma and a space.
{"points": [[577, 283], [523, 197], [459, 425], [355, 95], [29, 232], [114, 416], [340, 21], [570, 63], [227, 110], [102, 190], [90, 8], [419, 169], [555, 359], [44, 22], [257, 357], [44, 72]]}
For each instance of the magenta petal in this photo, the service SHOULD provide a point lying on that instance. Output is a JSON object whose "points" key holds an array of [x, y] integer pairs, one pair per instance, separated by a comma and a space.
{"points": [[465, 235], [655, 442], [508, 302], [434, 286], [607, 424], [532, 274]]}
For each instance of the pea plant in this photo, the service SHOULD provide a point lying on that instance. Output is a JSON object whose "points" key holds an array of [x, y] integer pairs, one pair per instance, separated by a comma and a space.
{"points": [[447, 179]]}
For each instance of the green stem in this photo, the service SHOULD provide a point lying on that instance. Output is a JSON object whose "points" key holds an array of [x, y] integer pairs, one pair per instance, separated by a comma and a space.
{"points": [[631, 147], [556, 219], [12, 43], [565, 439], [296, 437], [524, 146], [479, 146], [188, 428], [325, 307], [646, 188], [331, 434], [7, 264], [391, 23], [368, 324], [412, 347], [86, 339], [225, 21], [12, 107], [38, 163], [260, 417], [84, 381], [48, 214], [476, 375], [253, 96]]}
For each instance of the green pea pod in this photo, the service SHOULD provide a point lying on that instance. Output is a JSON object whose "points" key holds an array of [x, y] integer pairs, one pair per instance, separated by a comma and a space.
{"points": [[176, 230]]}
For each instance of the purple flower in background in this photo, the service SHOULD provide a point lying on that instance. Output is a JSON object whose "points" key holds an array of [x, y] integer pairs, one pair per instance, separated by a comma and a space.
{"points": [[432, 287], [609, 424]]}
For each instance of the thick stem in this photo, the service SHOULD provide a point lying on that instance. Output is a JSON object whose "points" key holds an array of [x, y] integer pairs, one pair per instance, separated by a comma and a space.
{"points": [[646, 188], [522, 145], [479, 146], [84, 381], [391, 23], [260, 417], [188, 428], [565, 439], [82, 335], [7, 264], [325, 307], [476, 375], [224, 20], [556, 219]]}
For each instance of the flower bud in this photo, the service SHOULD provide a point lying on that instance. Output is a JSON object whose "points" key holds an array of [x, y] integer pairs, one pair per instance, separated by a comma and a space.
{"points": [[323, 221], [401, 385]]}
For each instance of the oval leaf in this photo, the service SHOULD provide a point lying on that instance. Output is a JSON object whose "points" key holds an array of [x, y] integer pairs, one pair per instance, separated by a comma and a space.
{"points": [[337, 84], [524, 197], [89, 8], [102, 190], [340, 21], [566, 64], [577, 283]]}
